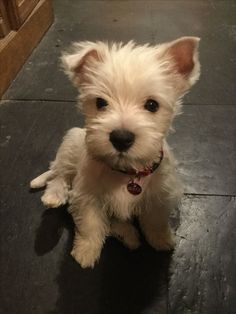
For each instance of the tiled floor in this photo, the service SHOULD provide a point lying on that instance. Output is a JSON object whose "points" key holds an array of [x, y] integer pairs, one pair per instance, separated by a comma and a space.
{"points": [[37, 274]]}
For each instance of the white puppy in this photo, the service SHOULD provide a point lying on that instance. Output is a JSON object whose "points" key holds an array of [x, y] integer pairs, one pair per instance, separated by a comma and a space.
{"points": [[120, 165]]}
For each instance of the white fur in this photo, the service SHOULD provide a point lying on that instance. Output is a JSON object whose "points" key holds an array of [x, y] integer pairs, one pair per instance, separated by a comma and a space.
{"points": [[82, 173]]}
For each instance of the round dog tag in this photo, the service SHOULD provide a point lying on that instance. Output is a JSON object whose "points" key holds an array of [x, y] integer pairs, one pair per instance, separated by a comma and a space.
{"points": [[134, 188]]}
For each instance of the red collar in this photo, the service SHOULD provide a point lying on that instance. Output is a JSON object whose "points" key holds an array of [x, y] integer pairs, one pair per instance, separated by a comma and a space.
{"points": [[132, 186], [146, 171]]}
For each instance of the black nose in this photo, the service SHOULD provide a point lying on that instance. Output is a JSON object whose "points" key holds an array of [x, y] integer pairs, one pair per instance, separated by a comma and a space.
{"points": [[122, 139]]}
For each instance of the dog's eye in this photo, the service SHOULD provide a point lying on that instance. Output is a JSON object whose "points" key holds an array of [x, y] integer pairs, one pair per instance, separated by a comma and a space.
{"points": [[151, 105], [101, 103]]}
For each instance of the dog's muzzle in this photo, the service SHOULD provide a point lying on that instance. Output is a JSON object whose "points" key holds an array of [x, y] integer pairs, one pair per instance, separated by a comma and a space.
{"points": [[122, 139]]}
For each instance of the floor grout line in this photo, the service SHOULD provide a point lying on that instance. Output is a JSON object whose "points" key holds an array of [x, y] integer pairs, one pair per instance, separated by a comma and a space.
{"points": [[196, 104], [74, 100], [210, 194], [31, 100]]}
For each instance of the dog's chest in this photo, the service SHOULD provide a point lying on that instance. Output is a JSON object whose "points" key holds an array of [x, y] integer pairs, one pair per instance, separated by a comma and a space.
{"points": [[117, 197], [110, 189]]}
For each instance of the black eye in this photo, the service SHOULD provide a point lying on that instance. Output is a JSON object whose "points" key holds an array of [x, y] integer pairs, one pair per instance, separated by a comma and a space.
{"points": [[151, 105], [101, 103]]}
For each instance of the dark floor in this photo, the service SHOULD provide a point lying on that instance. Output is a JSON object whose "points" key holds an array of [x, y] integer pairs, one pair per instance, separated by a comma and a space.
{"points": [[37, 274]]}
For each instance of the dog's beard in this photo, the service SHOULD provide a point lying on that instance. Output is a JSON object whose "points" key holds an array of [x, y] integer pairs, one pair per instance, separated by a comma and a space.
{"points": [[138, 157], [120, 161]]}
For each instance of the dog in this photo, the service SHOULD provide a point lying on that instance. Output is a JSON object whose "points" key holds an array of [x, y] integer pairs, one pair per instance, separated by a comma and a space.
{"points": [[119, 166]]}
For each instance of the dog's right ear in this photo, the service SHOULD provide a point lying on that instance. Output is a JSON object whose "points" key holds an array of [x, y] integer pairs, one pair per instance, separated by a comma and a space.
{"points": [[76, 63], [183, 57]]}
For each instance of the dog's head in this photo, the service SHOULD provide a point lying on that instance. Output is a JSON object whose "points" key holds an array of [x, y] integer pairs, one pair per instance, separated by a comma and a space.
{"points": [[130, 94]]}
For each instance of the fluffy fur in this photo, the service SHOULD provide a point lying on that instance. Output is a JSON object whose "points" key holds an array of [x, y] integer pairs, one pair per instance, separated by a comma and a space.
{"points": [[125, 75]]}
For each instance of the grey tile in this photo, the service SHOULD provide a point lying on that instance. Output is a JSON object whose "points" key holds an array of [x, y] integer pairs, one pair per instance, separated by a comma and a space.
{"points": [[204, 144], [30, 135], [202, 275], [143, 21]]}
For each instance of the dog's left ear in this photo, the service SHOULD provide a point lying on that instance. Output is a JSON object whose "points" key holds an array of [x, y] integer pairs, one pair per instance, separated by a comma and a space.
{"points": [[183, 57]]}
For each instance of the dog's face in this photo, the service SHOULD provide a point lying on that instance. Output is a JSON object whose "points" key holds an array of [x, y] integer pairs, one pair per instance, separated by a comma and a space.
{"points": [[130, 94]]}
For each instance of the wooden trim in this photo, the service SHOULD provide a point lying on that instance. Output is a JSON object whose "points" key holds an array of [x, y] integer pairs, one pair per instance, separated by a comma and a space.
{"points": [[4, 29], [13, 14], [25, 7], [17, 45], [4, 22]]}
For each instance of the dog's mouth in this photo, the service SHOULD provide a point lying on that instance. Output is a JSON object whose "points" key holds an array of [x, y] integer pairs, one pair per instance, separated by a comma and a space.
{"points": [[124, 162], [122, 156], [121, 160], [144, 170]]}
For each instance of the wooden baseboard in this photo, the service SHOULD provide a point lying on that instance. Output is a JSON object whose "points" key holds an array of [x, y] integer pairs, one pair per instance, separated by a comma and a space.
{"points": [[16, 47]]}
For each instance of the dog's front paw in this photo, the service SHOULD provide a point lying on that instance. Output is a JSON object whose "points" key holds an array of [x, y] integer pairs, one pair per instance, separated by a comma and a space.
{"points": [[85, 253], [161, 241]]}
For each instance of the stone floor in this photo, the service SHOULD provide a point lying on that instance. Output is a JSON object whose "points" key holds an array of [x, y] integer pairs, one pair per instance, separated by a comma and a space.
{"points": [[37, 273]]}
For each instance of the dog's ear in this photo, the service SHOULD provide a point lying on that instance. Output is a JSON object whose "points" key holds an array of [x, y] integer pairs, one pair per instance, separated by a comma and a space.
{"points": [[183, 56], [83, 55]]}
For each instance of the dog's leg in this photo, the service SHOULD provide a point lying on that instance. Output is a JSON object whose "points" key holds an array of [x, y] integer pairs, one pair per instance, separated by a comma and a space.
{"points": [[41, 180], [91, 229], [62, 170], [126, 233], [155, 226], [166, 194]]}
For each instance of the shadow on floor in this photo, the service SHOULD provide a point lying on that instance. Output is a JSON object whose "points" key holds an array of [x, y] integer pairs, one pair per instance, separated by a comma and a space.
{"points": [[122, 282]]}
